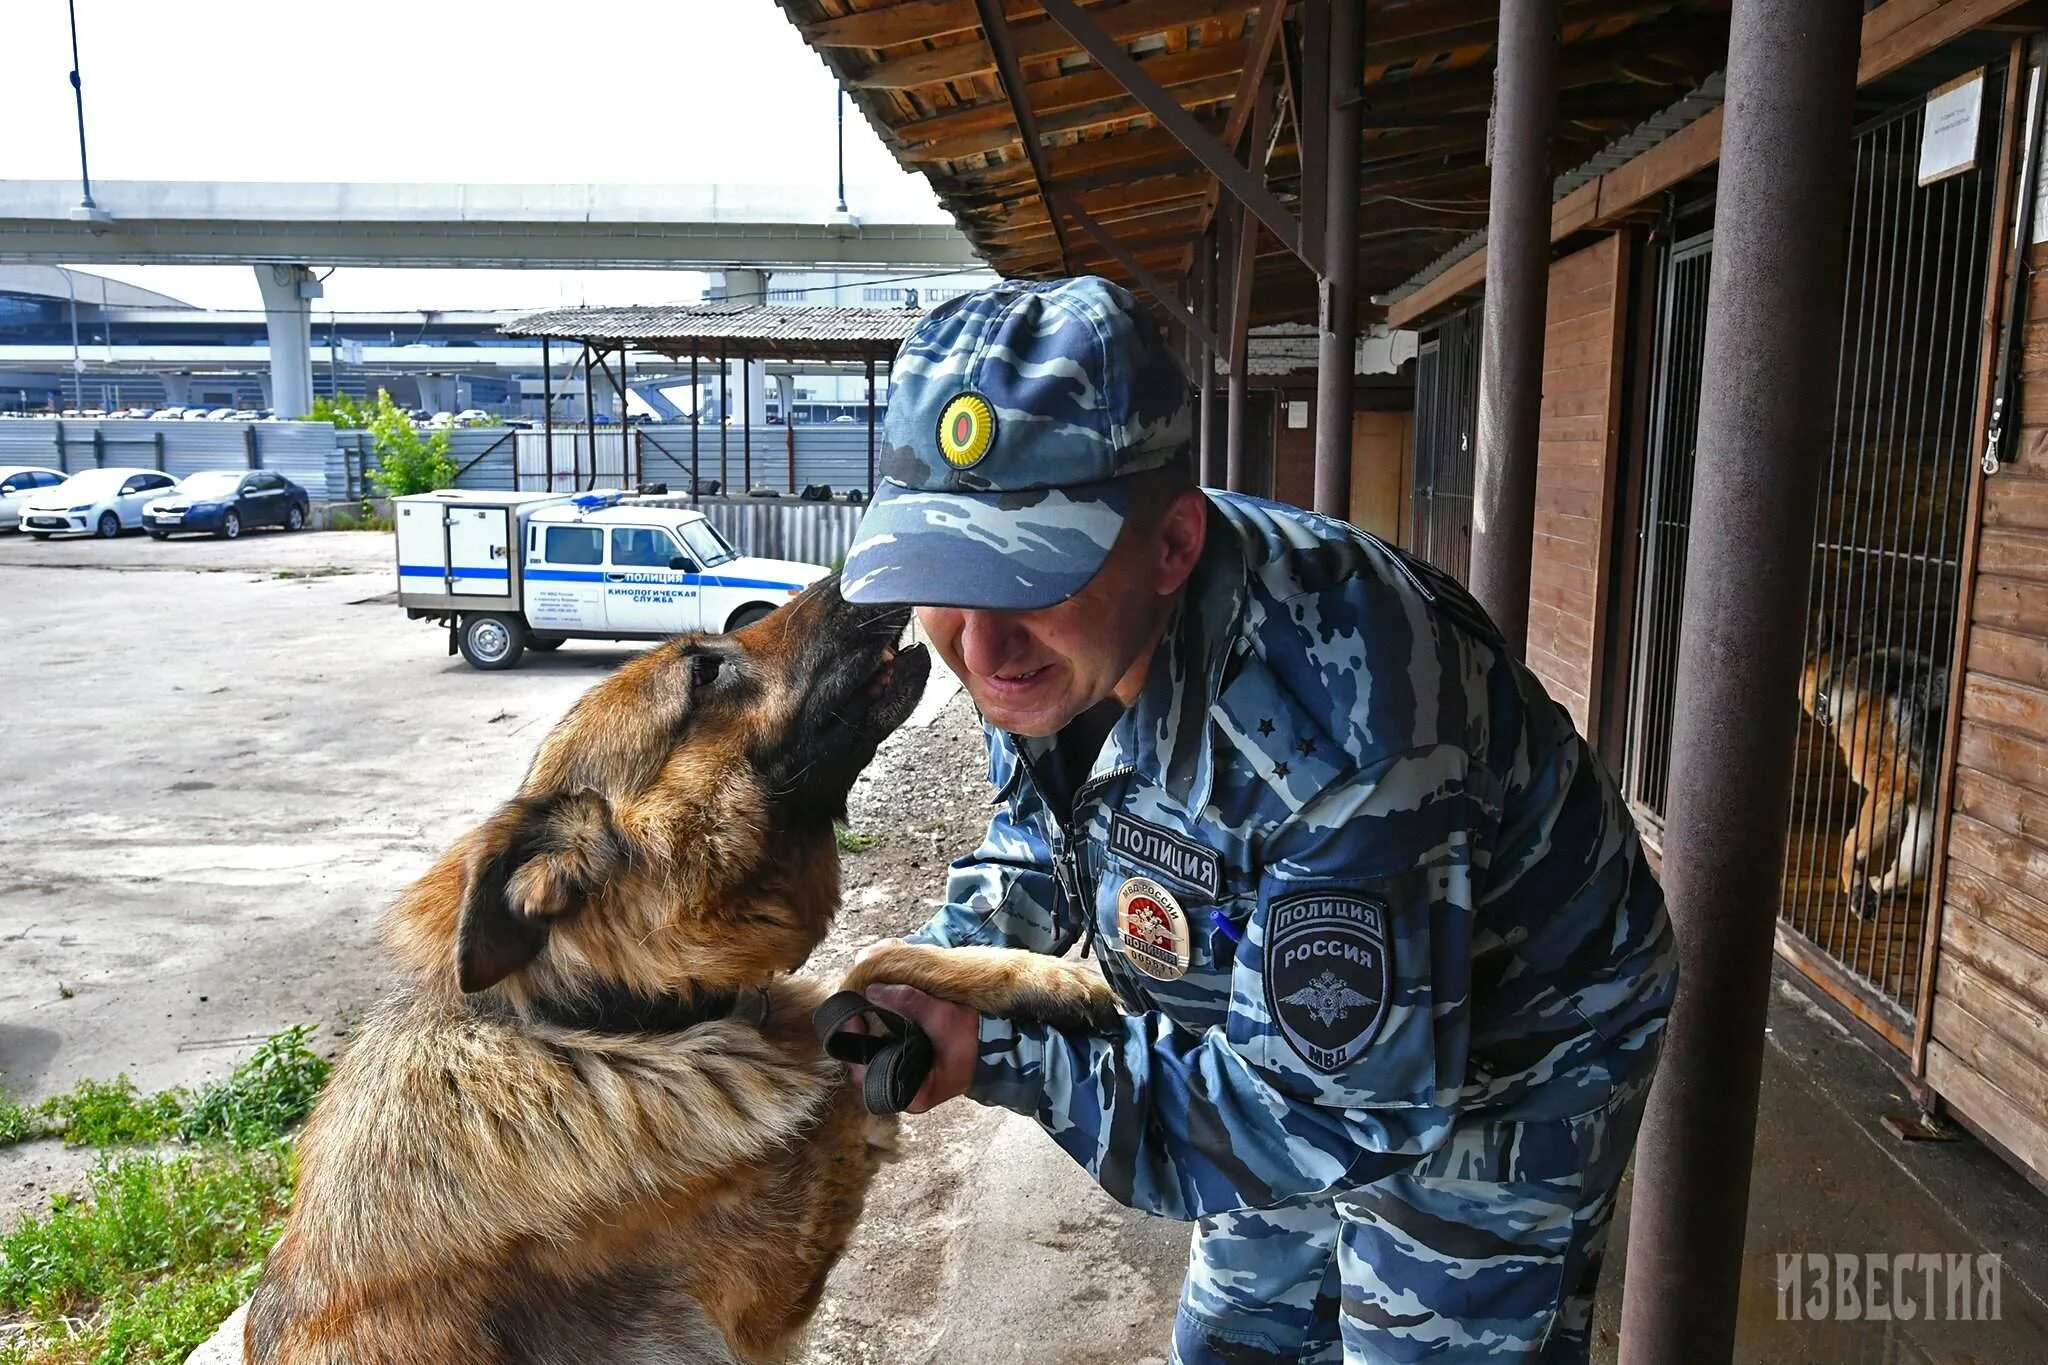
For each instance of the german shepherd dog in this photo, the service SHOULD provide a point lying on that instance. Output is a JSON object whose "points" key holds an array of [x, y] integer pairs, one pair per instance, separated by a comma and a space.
{"points": [[593, 1124], [1884, 708]]}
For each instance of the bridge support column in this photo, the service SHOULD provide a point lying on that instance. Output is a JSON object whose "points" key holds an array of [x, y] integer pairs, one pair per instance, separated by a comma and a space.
{"points": [[288, 294], [177, 390], [437, 393]]}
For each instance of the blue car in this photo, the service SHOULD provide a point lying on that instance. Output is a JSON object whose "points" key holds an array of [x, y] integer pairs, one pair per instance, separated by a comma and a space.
{"points": [[227, 502]]}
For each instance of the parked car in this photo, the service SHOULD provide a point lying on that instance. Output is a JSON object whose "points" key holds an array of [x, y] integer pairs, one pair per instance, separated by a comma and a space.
{"points": [[17, 481], [469, 416], [100, 502], [227, 502]]}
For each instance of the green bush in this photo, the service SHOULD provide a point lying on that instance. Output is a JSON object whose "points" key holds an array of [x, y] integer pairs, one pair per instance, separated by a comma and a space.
{"points": [[345, 412], [407, 461]]}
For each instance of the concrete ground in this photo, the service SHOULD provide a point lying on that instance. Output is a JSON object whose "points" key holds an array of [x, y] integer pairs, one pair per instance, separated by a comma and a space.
{"points": [[223, 760]]}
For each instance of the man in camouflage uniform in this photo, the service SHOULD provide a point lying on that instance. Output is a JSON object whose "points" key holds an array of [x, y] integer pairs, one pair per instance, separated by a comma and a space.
{"points": [[1395, 969]]}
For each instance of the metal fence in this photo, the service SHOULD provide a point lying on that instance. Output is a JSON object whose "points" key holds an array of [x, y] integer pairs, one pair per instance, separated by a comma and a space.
{"points": [[301, 451], [1446, 432], [1666, 522], [1887, 547]]}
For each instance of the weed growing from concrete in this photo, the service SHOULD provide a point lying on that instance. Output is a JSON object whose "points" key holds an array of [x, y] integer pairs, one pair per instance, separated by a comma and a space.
{"points": [[144, 1264], [264, 1097], [849, 842]]}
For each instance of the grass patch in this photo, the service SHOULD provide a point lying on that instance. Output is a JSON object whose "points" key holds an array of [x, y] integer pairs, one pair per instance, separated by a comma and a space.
{"points": [[146, 1263], [849, 842], [365, 517], [265, 1096]]}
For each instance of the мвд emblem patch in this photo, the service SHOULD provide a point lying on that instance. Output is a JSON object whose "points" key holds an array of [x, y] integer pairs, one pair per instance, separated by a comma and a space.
{"points": [[967, 428], [1328, 974]]}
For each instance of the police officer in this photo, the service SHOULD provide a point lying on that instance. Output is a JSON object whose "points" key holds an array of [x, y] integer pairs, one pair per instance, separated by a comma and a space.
{"points": [[1394, 966]]}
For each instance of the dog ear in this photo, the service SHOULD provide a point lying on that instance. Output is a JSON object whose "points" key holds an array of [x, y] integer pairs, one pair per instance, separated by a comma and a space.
{"points": [[538, 860]]}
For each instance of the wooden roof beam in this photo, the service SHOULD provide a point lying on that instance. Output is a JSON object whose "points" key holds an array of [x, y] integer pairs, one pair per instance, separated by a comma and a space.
{"points": [[1222, 162], [1265, 40], [1040, 39], [1071, 90], [996, 28], [1102, 113]]}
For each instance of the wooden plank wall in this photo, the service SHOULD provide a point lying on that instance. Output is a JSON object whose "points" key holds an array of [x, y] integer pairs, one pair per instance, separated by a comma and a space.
{"points": [[1988, 1049], [1575, 469]]}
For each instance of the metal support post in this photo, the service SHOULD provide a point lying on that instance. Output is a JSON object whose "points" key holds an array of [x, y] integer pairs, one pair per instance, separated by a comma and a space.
{"points": [[747, 425], [1209, 466], [547, 408], [1511, 328], [1772, 335], [589, 420], [871, 427], [1337, 331], [696, 424]]}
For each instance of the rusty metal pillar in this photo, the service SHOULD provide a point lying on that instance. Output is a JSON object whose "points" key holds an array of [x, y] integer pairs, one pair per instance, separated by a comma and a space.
{"points": [[1243, 261], [724, 420], [1511, 327], [1337, 292], [1773, 324], [1209, 462], [696, 426]]}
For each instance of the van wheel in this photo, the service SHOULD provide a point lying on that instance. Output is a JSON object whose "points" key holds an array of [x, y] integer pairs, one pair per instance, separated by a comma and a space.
{"points": [[746, 616], [546, 644], [492, 641]]}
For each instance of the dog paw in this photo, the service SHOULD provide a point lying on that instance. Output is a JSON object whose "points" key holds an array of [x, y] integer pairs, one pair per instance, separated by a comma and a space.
{"points": [[884, 1137], [1867, 902]]}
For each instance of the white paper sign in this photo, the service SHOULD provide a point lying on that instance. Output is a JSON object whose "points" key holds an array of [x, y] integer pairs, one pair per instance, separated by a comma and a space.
{"points": [[1948, 133], [1297, 414]]}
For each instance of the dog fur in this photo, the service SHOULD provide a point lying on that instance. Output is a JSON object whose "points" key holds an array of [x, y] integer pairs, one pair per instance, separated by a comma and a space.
{"points": [[1884, 709], [519, 1161]]}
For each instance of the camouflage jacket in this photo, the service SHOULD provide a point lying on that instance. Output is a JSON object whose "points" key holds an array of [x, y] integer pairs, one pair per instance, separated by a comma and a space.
{"points": [[1409, 892]]}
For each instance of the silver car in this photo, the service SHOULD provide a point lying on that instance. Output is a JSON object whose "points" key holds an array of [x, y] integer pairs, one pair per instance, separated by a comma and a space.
{"points": [[17, 481]]}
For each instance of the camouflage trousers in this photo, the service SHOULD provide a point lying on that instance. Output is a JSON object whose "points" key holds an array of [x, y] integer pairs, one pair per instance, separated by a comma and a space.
{"points": [[1488, 1249]]}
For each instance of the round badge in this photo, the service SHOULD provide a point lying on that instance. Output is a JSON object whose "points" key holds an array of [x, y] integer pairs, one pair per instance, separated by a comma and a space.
{"points": [[967, 428], [1153, 927]]}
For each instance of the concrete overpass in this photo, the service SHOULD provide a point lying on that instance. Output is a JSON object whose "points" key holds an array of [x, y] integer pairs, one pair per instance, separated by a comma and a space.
{"points": [[281, 229], [584, 227]]}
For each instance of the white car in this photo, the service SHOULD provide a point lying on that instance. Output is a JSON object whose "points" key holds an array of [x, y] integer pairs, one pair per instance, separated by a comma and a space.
{"points": [[469, 416], [99, 502], [17, 481]]}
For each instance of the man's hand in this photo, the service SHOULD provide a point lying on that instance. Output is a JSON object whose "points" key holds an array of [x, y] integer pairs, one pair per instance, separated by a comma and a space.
{"points": [[955, 1032]]}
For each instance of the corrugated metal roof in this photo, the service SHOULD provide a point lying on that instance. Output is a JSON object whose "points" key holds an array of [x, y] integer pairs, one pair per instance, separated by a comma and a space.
{"points": [[1711, 94], [761, 329]]}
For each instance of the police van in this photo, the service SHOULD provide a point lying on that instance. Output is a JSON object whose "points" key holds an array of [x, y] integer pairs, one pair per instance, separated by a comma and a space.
{"points": [[506, 572]]}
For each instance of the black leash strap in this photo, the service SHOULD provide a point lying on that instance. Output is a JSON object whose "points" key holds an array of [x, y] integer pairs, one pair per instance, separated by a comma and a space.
{"points": [[898, 1059]]}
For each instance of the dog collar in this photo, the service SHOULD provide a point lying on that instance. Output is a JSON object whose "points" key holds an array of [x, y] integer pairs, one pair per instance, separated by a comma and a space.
{"points": [[613, 1010]]}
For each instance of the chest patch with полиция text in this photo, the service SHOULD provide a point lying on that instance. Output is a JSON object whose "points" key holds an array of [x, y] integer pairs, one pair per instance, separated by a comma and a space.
{"points": [[1174, 856]]}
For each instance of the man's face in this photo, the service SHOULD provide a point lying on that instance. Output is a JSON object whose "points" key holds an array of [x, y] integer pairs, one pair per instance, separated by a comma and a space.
{"points": [[1031, 672]]}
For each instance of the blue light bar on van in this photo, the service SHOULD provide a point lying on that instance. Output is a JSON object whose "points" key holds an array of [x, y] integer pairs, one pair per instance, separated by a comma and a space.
{"points": [[590, 502]]}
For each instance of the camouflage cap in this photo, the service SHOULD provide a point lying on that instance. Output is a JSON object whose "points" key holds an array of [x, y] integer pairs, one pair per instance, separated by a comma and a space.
{"points": [[1016, 415]]}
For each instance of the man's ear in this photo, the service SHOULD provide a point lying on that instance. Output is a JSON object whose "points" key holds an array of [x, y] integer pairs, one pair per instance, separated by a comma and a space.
{"points": [[1183, 530], [537, 860]]}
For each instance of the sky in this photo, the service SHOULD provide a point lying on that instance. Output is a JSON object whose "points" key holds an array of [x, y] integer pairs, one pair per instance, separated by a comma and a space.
{"points": [[436, 91]]}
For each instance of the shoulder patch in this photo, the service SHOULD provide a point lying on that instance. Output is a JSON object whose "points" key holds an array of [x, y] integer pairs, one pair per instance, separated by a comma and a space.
{"points": [[1158, 849], [1328, 974]]}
